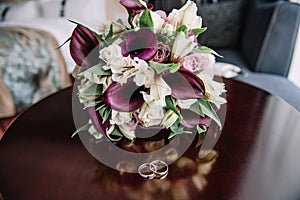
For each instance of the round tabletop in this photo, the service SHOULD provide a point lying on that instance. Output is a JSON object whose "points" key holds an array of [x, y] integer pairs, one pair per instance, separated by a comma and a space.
{"points": [[256, 156]]}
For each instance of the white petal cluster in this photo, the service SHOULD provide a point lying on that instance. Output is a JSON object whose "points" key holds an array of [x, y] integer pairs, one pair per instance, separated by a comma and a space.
{"points": [[213, 90], [187, 15]]}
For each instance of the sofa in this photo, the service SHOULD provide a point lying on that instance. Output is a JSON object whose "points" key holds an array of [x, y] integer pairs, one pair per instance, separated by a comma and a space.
{"points": [[262, 46]]}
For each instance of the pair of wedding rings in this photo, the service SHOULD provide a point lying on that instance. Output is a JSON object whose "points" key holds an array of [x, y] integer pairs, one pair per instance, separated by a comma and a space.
{"points": [[156, 169]]}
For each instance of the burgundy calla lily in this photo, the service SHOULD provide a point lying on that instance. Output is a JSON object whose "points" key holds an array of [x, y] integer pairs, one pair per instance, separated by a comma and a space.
{"points": [[97, 120], [123, 98], [141, 44], [192, 119], [185, 84], [84, 47], [134, 6]]}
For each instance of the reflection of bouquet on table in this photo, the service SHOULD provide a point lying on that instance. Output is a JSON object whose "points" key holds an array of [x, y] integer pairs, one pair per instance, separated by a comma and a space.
{"points": [[153, 75]]}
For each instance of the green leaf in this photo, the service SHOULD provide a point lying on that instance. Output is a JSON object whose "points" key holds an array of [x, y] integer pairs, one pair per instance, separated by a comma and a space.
{"points": [[201, 129], [93, 90], [163, 67], [146, 20], [204, 49], [171, 104], [110, 33], [196, 108], [83, 128], [98, 70], [177, 129], [163, 38], [209, 111], [198, 71], [63, 43], [182, 28], [104, 111], [198, 31]]}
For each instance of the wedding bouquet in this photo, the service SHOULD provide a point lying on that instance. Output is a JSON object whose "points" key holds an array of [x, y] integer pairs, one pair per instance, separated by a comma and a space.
{"points": [[148, 73]]}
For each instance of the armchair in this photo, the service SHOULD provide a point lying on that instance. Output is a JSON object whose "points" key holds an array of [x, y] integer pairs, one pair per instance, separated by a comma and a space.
{"points": [[264, 46]]}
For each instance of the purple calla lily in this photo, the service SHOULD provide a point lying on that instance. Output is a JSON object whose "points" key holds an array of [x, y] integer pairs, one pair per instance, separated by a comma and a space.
{"points": [[123, 98], [141, 44], [97, 120], [185, 85], [135, 6], [84, 47], [192, 119]]}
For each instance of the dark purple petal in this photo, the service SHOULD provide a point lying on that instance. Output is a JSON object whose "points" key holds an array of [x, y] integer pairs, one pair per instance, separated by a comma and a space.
{"points": [[141, 44], [97, 120], [123, 98], [84, 47], [185, 84], [134, 6], [192, 119]]}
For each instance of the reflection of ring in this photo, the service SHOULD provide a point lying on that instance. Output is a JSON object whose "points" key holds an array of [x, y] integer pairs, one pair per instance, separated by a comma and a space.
{"points": [[145, 170], [159, 168]]}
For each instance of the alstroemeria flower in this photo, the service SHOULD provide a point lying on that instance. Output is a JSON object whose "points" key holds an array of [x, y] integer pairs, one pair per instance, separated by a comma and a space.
{"points": [[141, 44], [182, 46], [144, 75], [185, 84], [159, 89], [84, 47], [187, 15], [200, 62], [213, 90], [136, 6], [123, 98]]}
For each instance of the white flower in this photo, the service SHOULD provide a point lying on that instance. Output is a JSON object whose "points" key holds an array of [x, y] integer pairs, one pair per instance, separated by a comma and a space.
{"points": [[151, 114], [159, 89], [169, 119], [168, 29], [187, 15], [158, 22], [109, 54], [118, 27], [182, 46], [213, 90], [122, 69], [186, 104], [129, 134], [120, 118], [144, 75], [92, 130]]}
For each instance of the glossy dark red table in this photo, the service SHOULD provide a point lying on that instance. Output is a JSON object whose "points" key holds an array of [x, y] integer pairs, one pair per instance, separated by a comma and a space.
{"points": [[258, 156]]}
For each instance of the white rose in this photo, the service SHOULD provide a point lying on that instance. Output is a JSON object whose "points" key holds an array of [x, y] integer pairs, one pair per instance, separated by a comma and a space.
{"points": [[151, 114], [109, 54], [187, 15], [122, 69]]}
